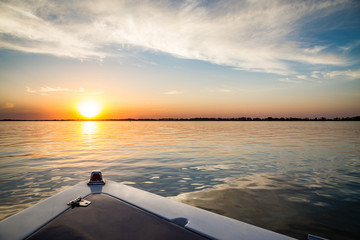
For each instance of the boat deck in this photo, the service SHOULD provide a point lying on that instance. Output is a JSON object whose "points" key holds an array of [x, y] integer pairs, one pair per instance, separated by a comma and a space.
{"points": [[110, 218]]}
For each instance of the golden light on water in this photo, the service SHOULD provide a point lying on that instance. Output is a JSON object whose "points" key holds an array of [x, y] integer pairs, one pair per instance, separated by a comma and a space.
{"points": [[89, 108], [89, 128]]}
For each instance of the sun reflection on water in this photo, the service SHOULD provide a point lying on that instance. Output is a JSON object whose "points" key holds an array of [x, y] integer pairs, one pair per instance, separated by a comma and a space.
{"points": [[89, 128]]}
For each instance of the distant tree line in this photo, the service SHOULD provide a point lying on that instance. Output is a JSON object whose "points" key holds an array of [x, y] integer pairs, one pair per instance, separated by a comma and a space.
{"points": [[357, 118]]}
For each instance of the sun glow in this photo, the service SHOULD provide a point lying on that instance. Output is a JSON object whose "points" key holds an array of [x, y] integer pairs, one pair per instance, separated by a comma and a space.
{"points": [[89, 108]]}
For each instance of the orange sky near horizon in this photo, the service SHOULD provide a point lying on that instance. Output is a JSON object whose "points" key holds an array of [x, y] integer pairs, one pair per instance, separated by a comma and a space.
{"points": [[64, 107]]}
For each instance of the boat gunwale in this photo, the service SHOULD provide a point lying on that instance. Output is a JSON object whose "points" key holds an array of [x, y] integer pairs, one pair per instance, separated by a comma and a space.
{"points": [[208, 224]]}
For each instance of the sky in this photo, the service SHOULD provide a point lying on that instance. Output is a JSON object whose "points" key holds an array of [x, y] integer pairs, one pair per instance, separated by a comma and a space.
{"points": [[180, 59]]}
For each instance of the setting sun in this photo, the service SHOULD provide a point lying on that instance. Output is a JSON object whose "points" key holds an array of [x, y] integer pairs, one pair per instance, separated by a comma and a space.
{"points": [[89, 108]]}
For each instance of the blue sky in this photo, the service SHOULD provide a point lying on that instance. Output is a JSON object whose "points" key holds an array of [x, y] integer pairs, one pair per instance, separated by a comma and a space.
{"points": [[180, 58]]}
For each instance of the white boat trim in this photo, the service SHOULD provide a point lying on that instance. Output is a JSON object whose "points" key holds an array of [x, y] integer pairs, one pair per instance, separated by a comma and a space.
{"points": [[214, 226]]}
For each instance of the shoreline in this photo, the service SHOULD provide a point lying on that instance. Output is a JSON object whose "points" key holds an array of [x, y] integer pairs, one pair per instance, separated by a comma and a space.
{"points": [[240, 119]]}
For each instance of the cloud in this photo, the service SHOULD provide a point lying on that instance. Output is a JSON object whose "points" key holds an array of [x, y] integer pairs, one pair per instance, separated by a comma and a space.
{"points": [[51, 89], [324, 76], [259, 36], [173, 92], [46, 90], [29, 90], [314, 50], [342, 75], [303, 77], [337, 75], [350, 46], [21, 29]]}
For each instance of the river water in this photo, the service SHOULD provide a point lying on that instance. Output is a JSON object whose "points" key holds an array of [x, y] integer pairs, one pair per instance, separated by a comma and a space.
{"points": [[294, 178]]}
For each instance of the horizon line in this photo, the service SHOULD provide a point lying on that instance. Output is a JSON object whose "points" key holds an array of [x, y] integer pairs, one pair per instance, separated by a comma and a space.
{"points": [[354, 118]]}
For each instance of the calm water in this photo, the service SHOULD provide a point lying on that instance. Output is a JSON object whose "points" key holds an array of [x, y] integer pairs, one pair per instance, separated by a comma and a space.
{"points": [[291, 177]]}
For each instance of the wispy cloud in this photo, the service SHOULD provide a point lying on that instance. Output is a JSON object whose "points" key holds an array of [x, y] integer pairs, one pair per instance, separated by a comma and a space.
{"points": [[46, 90], [173, 92], [258, 36], [340, 75], [314, 50], [22, 28], [324, 76], [350, 46]]}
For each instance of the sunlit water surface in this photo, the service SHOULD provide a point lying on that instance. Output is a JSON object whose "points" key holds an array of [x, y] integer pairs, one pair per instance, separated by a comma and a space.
{"points": [[291, 177]]}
